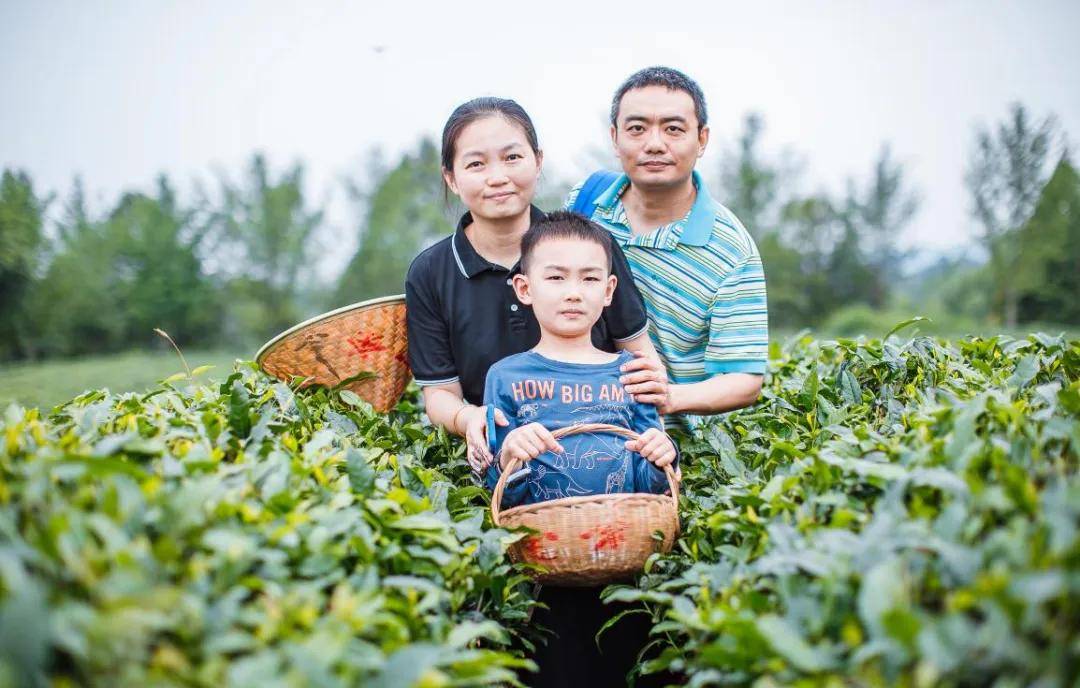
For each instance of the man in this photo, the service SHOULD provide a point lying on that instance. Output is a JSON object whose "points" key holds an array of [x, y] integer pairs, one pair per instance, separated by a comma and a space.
{"points": [[695, 264]]}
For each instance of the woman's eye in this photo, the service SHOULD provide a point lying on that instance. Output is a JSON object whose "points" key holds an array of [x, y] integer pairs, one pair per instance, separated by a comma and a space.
{"points": [[472, 165]]}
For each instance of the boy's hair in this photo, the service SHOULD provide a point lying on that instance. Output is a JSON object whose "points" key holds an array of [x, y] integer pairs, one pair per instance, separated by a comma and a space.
{"points": [[562, 224], [672, 79]]}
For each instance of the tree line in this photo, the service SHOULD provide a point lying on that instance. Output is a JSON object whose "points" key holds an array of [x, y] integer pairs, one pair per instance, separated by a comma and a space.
{"points": [[231, 266]]}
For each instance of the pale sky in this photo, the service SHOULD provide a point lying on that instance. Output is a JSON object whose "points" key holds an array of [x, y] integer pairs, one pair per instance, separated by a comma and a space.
{"points": [[119, 91]]}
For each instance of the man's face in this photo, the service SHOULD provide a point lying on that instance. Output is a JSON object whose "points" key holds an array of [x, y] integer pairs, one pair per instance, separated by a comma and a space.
{"points": [[568, 284], [656, 136]]}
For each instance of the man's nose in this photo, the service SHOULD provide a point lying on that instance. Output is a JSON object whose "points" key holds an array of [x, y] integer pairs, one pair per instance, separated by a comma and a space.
{"points": [[654, 143]]}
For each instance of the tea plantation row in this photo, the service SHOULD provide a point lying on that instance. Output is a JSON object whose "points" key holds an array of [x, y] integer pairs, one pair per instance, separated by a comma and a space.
{"points": [[888, 514]]}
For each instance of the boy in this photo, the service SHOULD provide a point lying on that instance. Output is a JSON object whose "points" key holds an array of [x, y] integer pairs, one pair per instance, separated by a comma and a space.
{"points": [[564, 380]]}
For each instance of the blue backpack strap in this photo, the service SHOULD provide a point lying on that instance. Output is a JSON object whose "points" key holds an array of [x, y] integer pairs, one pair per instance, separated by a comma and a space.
{"points": [[597, 183]]}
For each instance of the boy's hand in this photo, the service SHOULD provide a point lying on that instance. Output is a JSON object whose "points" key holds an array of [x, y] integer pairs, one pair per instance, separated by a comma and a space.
{"points": [[645, 379], [655, 446], [477, 451], [527, 443]]}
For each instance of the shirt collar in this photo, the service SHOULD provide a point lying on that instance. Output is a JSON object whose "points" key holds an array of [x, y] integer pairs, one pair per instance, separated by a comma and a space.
{"points": [[696, 227], [469, 262]]}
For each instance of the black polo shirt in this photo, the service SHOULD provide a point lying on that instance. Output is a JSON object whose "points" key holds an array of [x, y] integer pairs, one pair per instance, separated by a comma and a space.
{"points": [[463, 314]]}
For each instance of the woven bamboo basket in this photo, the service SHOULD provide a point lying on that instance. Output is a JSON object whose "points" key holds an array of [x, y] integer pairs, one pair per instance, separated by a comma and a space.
{"points": [[365, 341], [586, 541]]}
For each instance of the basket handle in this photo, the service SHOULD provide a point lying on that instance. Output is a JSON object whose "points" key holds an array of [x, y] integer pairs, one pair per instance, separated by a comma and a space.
{"points": [[500, 486]]}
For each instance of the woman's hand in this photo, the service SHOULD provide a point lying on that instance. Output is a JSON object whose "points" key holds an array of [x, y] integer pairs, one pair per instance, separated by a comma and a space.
{"points": [[645, 379], [476, 439], [526, 443], [655, 446]]}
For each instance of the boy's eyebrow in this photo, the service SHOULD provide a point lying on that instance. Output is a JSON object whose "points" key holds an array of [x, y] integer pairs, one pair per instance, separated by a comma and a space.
{"points": [[563, 268]]}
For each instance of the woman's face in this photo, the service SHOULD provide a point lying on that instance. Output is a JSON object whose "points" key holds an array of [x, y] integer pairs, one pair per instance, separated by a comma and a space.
{"points": [[495, 169]]}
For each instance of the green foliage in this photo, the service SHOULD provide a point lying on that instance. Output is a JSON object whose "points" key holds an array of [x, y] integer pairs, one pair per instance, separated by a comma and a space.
{"points": [[21, 247], [405, 212], [244, 534], [1006, 173], [1048, 270], [891, 513], [265, 243]]}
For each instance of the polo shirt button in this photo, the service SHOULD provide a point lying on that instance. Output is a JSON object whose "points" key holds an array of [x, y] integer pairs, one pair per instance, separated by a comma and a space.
{"points": [[513, 307], [509, 281]]}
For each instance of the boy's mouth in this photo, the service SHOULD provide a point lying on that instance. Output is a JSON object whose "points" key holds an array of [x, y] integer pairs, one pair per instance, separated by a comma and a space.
{"points": [[572, 313]]}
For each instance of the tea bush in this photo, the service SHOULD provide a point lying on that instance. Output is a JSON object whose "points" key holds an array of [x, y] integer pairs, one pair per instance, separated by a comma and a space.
{"points": [[890, 513]]}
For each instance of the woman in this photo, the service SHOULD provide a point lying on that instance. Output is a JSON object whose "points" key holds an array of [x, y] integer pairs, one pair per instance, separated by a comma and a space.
{"points": [[462, 312], [463, 316]]}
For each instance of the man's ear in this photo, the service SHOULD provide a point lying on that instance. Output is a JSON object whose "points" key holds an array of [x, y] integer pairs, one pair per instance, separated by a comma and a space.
{"points": [[609, 292], [614, 136], [703, 140], [521, 289], [448, 177]]}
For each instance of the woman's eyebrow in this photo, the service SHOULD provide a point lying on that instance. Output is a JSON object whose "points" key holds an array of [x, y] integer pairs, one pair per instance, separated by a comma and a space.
{"points": [[507, 147]]}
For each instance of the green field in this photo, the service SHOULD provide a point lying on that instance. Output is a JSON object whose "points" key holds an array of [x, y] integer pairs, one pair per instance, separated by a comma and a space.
{"points": [[54, 382]]}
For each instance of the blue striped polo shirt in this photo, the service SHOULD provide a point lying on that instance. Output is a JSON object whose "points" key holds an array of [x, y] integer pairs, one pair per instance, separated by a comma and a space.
{"points": [[703, 285]]}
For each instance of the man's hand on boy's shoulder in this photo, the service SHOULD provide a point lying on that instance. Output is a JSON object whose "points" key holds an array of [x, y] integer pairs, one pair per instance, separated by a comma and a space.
{"points": [[645, 379], [526, 443], [655, 446]]}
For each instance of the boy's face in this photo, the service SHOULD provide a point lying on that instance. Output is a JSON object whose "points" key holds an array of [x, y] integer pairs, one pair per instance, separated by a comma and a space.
{"points": [[567, 284]]}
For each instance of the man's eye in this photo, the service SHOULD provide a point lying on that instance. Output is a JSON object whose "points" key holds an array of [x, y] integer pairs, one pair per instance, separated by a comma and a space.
{"points": [[635, 128], [515, 156], [675, 130]]}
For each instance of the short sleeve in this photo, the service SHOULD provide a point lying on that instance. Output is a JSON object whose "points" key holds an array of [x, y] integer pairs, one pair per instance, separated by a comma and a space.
{"points": [[497, 396], [572, 196], [739, 320], [625, 318], [430, 356], [647, 477]]}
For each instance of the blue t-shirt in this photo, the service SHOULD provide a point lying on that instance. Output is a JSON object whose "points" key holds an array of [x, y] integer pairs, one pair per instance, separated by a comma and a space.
{"points": [[531, 388]]}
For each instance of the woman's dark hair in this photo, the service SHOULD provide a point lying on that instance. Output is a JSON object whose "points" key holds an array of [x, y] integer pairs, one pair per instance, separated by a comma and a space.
{"points": [[672, 79], [563, 224], [477, 108]]}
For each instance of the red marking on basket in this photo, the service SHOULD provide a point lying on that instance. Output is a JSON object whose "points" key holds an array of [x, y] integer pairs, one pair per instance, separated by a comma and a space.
{"points": [[609, 537], [366, 343], [586, 534], [534, 547], [551, 536], [401, 358]]}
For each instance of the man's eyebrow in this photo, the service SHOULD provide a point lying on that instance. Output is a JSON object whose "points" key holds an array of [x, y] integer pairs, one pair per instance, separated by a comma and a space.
{"points": [[668, 118]]}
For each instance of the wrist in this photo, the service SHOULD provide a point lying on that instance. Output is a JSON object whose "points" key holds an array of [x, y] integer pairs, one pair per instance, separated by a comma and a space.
{"points": [[674, 399], [461, 418]]}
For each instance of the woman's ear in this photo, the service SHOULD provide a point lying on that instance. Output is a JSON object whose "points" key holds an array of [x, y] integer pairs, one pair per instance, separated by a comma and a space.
{"points": [[609, 292], [539, 163], [448, 177], [521, 289]]}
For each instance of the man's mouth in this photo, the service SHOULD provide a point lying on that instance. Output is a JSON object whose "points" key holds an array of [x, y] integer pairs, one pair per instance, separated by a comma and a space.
{"points": [[654, 164]]}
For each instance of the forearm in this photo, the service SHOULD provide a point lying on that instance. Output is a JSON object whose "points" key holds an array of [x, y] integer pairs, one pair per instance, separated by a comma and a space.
{"points": [[640, 343], [716, 395], [445, 406]]}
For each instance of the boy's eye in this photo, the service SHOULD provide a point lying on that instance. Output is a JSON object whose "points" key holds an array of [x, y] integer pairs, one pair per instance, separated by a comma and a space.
{"points": [[592, 279], [554, 277]]}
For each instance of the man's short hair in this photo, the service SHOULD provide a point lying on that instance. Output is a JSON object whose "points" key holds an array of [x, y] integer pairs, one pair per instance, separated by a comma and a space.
{"points": [[669, 78], [562, 224]]}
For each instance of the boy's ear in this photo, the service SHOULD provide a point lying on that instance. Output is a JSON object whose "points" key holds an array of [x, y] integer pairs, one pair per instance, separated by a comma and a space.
{"points": [[521, 289], [609, 292]]}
